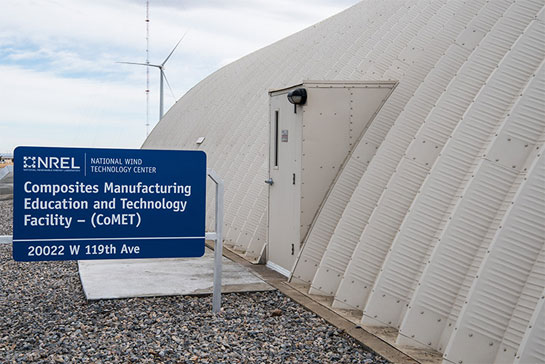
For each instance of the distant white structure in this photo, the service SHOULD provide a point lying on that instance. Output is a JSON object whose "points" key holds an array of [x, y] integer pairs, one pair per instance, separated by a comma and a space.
{"points": [[6, 157], [430, 220]]}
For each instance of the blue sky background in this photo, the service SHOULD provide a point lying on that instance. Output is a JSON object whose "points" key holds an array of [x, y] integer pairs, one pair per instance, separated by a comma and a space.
{"points": [[60, 85]]}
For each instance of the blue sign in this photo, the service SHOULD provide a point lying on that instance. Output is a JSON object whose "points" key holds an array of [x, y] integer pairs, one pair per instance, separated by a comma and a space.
{"points": [[77, 203]]}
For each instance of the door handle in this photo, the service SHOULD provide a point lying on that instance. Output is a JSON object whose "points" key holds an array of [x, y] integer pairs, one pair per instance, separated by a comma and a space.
{"points": [[269, 181]]}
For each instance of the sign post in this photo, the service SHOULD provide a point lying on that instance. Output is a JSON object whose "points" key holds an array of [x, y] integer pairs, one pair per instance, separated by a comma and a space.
{"points": [[218, 240], [79, 204]]}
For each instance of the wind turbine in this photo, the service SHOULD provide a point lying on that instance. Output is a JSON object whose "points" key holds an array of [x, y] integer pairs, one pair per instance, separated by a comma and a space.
{"points": [[163, 77]]}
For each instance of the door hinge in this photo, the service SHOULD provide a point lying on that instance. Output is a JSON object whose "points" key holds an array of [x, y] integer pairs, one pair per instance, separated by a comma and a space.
{"points": [[294, 178], [292, 249]]}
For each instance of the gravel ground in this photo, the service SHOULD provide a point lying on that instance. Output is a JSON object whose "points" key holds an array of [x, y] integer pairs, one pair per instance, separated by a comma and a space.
{"points": [[45, 318], [6, 211]]}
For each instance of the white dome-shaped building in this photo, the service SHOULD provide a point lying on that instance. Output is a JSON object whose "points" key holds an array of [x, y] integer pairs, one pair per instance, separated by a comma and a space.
{"points": [[410, 186]]}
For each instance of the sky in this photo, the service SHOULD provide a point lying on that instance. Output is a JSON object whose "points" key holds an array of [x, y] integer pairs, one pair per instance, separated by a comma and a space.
{"points": [[60, 84]]}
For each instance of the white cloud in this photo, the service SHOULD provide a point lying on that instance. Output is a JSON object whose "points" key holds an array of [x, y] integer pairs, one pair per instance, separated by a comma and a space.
{"points": [[38, 101], [61, 85]]}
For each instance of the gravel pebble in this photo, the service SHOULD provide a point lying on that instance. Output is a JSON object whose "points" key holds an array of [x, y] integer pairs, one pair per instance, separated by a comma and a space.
{"points": [[45, 318], [6, 219]]}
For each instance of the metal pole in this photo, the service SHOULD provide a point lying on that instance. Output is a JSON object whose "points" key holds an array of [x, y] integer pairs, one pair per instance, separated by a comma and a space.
{"points": [[161, 94], [218, 241]]}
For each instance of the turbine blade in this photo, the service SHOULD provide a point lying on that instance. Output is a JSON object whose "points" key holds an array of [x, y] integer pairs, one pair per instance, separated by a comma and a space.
{"points": [[140, 64], [173, 49], [168, 84]]}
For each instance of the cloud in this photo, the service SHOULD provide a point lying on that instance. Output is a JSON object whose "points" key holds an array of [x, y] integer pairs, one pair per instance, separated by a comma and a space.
{"points": [[61, 84], [40, 102]]}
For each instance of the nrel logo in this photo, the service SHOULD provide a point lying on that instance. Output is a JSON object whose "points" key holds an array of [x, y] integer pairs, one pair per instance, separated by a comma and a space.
{"points": [[29, 162], [50, 163]]}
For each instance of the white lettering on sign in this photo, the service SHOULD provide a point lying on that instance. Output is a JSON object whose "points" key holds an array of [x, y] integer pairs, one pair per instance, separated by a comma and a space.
{"points": [[48, 220], [100, 249], [57, 163], [116, 219], [125, 249]]}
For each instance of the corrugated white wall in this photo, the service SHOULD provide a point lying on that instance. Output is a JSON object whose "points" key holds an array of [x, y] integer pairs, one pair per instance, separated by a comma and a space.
{"points": [[435, 225]]}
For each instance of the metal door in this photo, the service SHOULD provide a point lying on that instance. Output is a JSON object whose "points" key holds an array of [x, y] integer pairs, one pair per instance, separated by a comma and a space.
{"points": [[284, 179]]}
